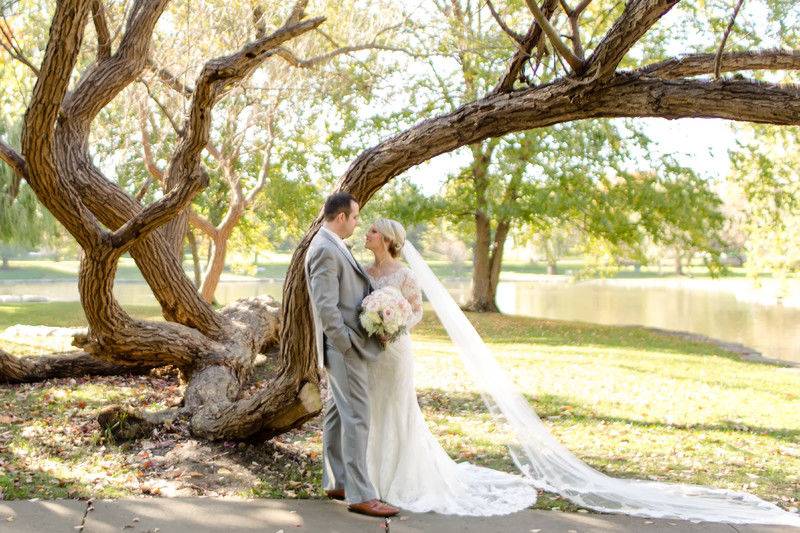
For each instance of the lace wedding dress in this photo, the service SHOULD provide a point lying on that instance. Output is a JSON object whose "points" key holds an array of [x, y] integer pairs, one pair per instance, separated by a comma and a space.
{"points": [[405, 462]]}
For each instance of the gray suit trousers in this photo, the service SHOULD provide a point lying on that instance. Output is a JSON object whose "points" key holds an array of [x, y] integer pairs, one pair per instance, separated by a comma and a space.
{"points": [[346, 427]]}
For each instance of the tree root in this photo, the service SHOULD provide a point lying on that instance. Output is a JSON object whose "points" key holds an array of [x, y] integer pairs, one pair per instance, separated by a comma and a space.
{"points": [[121, 423], [31, 369]]}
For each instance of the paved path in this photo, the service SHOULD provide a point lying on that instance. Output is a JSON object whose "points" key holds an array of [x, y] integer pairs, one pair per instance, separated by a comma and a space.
{"points": [[206, 515]]}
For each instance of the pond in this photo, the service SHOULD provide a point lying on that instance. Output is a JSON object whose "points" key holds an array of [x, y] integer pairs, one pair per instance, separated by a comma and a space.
{"points": [[768, 328]]}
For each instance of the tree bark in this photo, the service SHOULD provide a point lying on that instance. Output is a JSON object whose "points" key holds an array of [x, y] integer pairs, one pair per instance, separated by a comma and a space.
{"points": [[212, 274], [678, 263], [482, 298], [195, 257], [39, 368]]}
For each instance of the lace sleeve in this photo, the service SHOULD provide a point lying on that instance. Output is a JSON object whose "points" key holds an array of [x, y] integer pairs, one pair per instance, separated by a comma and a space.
{"points": [[411, 291]]}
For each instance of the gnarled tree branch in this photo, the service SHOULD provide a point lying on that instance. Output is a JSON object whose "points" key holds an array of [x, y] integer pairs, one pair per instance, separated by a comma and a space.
{"points": [[555, 39], [637, 17], [522, 54], [700, 64], [13, 159], [101, 28]]}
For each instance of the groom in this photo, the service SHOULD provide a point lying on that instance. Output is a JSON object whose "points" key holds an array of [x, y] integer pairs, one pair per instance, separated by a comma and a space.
{"points": [[337, 285]]}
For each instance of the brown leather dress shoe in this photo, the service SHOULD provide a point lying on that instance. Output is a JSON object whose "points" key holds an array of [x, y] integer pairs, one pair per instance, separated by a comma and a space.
{"points": [[373, 508], [335, 494]]}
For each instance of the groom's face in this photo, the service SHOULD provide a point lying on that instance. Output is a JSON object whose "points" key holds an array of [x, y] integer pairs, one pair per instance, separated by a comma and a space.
{"points": [[350, 221]]}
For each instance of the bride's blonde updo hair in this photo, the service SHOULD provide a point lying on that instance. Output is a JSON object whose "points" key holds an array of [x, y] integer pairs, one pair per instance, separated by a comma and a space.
{"points": [[393, 233]]}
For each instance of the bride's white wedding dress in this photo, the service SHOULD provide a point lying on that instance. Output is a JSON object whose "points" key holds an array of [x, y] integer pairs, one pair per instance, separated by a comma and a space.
{"points": [[411, 470], [405, 461]]}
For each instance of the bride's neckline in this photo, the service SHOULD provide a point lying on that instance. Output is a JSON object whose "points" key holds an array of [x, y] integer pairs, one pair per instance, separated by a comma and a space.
{"points": [[373, 275]]}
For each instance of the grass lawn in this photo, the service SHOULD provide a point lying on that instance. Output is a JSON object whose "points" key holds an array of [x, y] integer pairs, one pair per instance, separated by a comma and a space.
{"points": [[629, 402]]}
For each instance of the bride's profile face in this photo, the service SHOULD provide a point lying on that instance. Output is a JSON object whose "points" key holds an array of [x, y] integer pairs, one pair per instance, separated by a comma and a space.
{"points": [[374, 240]]}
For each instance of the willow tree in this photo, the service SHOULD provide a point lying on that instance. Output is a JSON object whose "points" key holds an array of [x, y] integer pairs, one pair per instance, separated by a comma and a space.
{"points": [[215, 349]]}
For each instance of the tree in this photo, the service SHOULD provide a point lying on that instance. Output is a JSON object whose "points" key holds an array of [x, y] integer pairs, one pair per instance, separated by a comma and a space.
{"points": [[593, 86], [765, 175], [547, 178], [565, 174], [263, 136], [214, 349]]}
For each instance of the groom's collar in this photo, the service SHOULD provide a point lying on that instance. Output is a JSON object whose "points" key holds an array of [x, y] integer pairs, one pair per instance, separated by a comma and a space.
{"points": [[339, 242], [335, 237]]}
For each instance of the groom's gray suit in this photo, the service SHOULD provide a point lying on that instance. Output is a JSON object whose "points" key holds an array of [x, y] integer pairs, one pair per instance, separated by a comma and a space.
{"points": [[337, 285]]}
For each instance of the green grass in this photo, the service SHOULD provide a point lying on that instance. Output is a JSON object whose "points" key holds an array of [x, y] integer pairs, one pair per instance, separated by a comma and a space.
{"points": [[60, 314], [630, 402]]}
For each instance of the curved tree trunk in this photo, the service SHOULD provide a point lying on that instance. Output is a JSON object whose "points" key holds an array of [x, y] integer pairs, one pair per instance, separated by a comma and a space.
{"points": [[215, 351]]}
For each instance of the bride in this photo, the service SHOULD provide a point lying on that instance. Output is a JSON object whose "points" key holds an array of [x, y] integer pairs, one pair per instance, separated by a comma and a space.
{"points": [[406, 464], [410, 469]]}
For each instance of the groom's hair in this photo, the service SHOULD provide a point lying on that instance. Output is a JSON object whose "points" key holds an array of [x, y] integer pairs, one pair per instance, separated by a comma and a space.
{"points": [[338, 202]]}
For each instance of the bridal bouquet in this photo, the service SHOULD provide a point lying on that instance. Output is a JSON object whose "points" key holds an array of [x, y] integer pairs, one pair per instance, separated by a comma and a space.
{"points": [[385, 313]]}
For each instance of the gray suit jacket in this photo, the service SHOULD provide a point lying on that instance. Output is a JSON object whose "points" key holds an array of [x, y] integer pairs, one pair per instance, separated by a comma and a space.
{"points": [[337, 285]]}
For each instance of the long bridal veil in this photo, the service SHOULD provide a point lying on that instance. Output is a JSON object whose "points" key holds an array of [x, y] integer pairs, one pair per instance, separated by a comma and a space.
{"points": [[551, 467]]}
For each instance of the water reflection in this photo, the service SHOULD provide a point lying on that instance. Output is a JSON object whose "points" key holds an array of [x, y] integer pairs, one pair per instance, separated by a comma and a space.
{"points": [[770, 329]]}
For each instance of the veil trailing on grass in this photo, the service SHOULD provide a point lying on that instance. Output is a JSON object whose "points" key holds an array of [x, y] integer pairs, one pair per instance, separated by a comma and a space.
{"points": [[551, 467]]}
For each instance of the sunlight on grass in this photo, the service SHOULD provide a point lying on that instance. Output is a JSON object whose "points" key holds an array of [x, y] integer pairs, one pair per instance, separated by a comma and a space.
{"points": [[660, 408], [628, 401]]}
